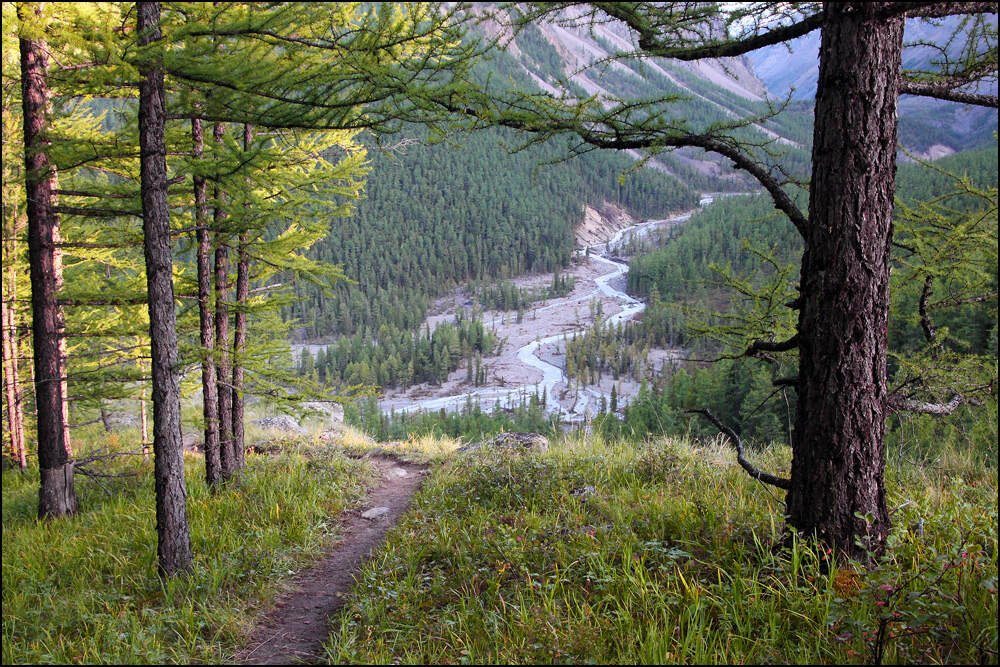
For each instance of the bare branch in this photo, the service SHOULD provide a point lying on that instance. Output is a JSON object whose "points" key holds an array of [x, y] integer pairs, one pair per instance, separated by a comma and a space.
{"points": [[897, 403], [946, 91], [754, 472], [759, 346]]}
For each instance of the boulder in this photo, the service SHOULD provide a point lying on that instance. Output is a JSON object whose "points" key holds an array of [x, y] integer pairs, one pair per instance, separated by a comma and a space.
{"points": [[282, 423], [516, 442]]}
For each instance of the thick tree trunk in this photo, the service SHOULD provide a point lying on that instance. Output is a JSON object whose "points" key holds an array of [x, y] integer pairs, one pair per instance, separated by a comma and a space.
{"points": [[168, 469], [209, 386], [56, 496], [240, 330], [837, 490], [223, 369]]}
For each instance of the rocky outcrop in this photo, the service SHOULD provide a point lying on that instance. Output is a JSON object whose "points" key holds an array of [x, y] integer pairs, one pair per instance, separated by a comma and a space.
{"points": [[282, 423], [514, 442], [600, 224]]}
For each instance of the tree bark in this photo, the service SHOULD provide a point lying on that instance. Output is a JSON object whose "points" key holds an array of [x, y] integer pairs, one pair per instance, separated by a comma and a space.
{"points": [[224, 369], [209, 382], [174, 549], [11, 359], [13, 225], [837, 490], [240, 329], [56, 496]]}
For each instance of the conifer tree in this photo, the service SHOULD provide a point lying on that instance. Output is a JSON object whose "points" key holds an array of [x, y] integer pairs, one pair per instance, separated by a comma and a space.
{"points": [[13, 264], [836, 490], [174, 541], [55, 456]]}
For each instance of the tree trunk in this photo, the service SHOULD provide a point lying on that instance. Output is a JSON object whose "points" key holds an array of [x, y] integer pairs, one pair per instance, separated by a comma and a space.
{"points": [[56, 496], [143, 426], [13, 225], [240, 329], [209, 386], [105, 418], [837, 490], [168, 469], [11, 359], [224, 369]]}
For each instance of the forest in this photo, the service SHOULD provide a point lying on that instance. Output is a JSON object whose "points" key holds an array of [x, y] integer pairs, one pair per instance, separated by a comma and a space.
{"points": [[191, 191]]}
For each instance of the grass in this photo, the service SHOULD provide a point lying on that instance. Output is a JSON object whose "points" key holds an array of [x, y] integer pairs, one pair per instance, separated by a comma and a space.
{"points": [[426, 449], [665, 553], [657, 552], [85, 589]]}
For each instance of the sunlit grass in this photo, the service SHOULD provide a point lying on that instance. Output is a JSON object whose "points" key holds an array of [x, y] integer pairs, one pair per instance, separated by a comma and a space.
{"points": [[85, 589], [606, 552], [415, 449], [663, 552]]}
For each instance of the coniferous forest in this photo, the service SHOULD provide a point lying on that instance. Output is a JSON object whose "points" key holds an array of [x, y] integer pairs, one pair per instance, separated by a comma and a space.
{"points": [[499, 333]]}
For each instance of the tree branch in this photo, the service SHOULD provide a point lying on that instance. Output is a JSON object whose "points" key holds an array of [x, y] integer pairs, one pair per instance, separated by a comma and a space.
{"points": [[768, 346], [650, 42], [931, 10], [930, 332], [96, 212], [897, 403], [754, 472], [946, 91]]}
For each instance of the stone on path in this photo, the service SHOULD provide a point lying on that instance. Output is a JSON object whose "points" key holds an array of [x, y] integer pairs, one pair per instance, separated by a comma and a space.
{"points": [[375, 512]]}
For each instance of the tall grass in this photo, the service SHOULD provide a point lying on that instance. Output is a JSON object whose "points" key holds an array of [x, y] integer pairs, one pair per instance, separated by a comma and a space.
{"points": [[85, 589], [665, 552]]}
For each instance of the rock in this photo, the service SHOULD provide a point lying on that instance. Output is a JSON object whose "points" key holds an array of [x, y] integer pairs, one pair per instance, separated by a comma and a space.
{"points": [[518, 442], [281, 423], [333, 411], [374, 513], [123, 420], [584, 492], [396, 472]]}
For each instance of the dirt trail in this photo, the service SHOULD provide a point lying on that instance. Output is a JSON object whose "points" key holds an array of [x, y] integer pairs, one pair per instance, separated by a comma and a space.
{"points": [[295, 629]]}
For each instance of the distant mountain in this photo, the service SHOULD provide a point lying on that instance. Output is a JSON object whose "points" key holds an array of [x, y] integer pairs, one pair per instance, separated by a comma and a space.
{"points": [[928, 127], [588, 59], [437, 216]]}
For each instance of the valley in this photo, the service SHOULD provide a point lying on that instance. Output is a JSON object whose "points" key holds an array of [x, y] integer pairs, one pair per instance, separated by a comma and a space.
{"points": [[530, 361]]}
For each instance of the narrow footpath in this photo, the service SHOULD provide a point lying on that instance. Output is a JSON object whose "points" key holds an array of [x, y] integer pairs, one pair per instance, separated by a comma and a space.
{"points": [[293, 631]]}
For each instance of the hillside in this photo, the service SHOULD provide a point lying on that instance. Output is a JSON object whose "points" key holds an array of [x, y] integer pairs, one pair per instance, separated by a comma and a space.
{"points": [[931, 128], [436, 216]]}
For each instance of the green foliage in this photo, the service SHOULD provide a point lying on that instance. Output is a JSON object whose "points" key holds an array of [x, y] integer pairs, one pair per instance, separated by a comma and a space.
{"points": [[86, 590], [399, 358], [436, 216], [505, 295], [470, 423]]}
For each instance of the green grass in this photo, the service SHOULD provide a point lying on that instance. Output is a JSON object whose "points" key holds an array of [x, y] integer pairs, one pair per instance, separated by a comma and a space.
{"points": [[657, 552], [85, 589], [671, 559]]}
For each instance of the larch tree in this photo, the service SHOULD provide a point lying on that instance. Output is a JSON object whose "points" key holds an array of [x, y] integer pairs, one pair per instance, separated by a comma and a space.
{"points": [[836, 489], [174, 541], [13, 262], [360, 68], [55, 456]]}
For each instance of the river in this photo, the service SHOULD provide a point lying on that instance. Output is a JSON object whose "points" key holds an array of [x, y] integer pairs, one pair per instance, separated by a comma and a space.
{"points": [[587, 397]]}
